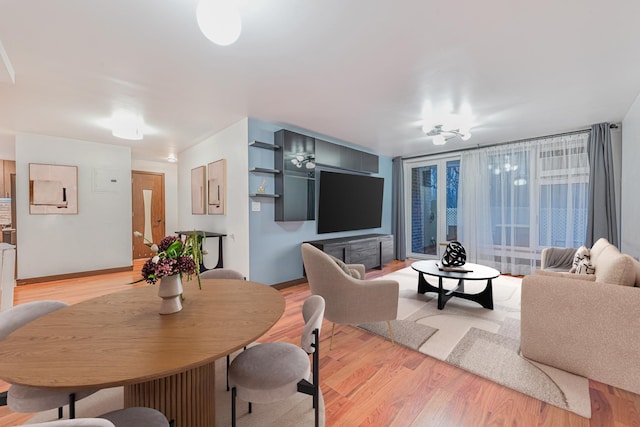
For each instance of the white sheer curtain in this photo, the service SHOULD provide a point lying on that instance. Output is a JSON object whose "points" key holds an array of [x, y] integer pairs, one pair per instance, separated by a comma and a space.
{"points": [[515, 199]]}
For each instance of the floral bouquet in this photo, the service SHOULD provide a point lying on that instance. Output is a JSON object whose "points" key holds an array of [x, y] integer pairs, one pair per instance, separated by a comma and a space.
{"points": [[172, 256]]}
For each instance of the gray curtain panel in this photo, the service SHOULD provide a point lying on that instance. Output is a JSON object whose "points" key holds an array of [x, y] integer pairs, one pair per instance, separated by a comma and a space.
{"points": [[397, 209], [601, 220]]}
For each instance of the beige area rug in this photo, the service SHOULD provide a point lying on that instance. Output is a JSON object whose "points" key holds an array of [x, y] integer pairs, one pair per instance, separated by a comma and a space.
{"points": [[294, 412], [484, 342]]}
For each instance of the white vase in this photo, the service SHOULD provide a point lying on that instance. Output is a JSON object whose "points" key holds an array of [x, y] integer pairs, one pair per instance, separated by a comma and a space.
{"points": [[170, 290]]}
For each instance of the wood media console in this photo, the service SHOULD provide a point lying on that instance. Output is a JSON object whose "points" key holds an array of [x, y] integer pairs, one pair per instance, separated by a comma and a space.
{"points": [[372, 250]]}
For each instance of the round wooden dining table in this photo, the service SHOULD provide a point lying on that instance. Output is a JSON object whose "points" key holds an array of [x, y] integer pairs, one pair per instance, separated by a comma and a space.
{"points": [[163, 361]]}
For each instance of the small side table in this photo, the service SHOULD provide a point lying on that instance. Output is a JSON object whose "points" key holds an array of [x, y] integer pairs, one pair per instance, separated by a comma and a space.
{"points": [[207, 234]]}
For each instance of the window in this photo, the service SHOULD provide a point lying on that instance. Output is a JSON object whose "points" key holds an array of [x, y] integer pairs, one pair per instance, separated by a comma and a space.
{"points": [[522, 197], [433, 212], [510, 198]]}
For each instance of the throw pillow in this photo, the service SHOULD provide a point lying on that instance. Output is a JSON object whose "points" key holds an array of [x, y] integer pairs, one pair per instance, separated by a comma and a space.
{"points": [[636, 266], [344, 267], [355, 273], [585, 267], [581, 253], [615, 268]]}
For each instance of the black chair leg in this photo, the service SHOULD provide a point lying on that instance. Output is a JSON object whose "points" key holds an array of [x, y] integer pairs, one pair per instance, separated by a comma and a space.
{"points": [[3, 398], [316, 376], [60, 413], [72, 406], [172, 423], [228, 363], [250, 407], [233, 407]]}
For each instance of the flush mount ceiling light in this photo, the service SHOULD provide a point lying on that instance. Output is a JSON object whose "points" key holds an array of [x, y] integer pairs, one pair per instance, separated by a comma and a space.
{"points": [[172, 158], [127, 125], [440, 136], [305, 160], [443, 127], [219, 21]]}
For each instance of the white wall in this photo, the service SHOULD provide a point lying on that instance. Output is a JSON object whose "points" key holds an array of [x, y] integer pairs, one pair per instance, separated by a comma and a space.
{"points": [[7, 147], [630, 199], [230, 144], [170, 171], [99, 236]]}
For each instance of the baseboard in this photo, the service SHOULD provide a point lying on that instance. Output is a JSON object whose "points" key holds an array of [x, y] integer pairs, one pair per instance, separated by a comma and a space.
{"points": [[288, 284], [79, 274]]}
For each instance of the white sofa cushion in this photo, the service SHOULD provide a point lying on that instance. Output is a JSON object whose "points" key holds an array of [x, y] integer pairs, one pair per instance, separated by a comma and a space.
{"points": [[614, 267], [597, 249]]}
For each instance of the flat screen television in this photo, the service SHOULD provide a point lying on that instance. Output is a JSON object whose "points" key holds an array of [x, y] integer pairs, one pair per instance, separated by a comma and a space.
{"points": [[349, 202]]}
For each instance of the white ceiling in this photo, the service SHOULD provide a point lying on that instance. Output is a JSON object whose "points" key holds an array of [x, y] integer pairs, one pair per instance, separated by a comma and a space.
{"points": [[355, 70]]}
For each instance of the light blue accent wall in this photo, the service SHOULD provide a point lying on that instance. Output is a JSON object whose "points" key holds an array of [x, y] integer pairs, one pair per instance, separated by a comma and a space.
{"points": [[274, 247]]}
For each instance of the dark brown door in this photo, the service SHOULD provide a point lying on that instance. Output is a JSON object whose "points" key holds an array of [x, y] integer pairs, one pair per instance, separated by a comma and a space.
{"points": [[148, 210]]}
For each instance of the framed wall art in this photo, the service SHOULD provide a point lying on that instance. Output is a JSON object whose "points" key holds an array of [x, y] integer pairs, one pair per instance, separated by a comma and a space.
{"points": [[217, 187], [198, 185], [53, 189]]}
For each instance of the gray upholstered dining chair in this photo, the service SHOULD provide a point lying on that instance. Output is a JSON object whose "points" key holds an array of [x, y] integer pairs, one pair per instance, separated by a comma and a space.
{"points": [[78, 422], [35, 399], [223, 273], [128, 417], [275, 371], [350, 300]]}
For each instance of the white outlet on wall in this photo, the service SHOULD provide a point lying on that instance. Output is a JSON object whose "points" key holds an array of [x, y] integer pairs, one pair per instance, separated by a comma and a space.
{"points": [[255, 206]]}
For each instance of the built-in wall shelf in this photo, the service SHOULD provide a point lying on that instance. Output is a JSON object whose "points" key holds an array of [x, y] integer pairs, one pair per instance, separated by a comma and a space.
{"points": [[264, 170], [271, 171], [259, 144], [273, 196]]}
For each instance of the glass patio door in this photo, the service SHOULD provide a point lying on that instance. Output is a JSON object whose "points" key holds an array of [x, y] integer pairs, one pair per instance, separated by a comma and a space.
{"points": [[432, 211]]}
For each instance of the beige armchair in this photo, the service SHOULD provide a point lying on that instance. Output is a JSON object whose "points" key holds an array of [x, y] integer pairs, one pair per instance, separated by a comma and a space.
{"points": [[349, 300]]}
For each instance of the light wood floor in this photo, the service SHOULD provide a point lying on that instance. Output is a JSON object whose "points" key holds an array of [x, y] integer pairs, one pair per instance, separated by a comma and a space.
{"points": [[367, 381]]}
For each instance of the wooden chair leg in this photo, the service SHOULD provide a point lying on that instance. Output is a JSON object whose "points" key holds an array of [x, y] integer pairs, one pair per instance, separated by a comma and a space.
{"points": [[390, 331], [333, 329]]}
